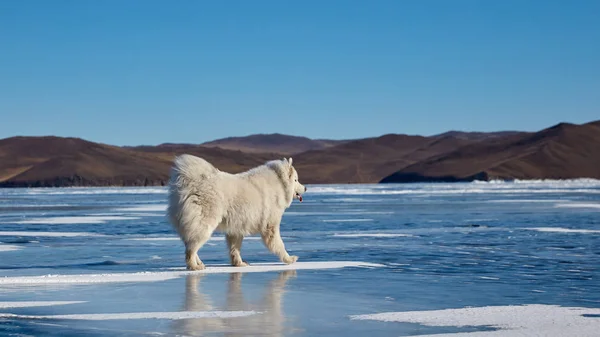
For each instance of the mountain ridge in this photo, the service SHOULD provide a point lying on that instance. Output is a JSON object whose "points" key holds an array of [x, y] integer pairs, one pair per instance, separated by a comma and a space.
{"points": [[562, 151]]}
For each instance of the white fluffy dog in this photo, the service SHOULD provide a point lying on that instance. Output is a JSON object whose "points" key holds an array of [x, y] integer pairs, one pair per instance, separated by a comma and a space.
{"points": [[203, 199]]}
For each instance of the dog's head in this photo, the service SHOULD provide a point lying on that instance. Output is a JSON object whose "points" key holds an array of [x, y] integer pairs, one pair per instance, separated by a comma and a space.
{"points": [[297, 188]]}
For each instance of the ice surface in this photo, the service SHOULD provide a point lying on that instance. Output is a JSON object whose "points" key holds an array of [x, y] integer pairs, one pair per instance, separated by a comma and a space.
{"points": [[525, 320], [425, 247]]}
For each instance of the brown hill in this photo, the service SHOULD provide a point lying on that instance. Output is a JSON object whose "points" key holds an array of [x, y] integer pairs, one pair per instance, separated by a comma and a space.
{"points": [[564, 151], [560, 152], [478, 135], [272, 143], [54, 161], [367, 160]]}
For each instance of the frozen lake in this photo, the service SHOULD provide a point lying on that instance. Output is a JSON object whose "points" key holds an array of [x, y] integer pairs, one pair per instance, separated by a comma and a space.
{"points": [[469, 259]]}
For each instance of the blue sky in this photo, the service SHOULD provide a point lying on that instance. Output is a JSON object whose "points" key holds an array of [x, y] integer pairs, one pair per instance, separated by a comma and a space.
{"points": [[147, 72]]}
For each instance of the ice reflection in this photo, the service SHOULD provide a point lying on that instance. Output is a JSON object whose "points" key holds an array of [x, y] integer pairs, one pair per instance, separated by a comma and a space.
{"points": [[269, 321]]}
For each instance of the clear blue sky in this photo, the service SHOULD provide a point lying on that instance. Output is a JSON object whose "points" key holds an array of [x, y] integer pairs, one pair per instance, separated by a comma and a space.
{"points": [[147, 72]]}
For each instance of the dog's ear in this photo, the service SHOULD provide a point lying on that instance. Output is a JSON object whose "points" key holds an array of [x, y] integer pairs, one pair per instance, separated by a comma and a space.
{"points": [[291, 169]]}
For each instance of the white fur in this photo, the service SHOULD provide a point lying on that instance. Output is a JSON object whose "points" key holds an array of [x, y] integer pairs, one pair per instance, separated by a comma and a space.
{"points": [[203, 199]]}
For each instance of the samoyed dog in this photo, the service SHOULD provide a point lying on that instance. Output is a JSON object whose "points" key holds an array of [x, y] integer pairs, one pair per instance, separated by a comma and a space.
{"points": [[203, 199]]}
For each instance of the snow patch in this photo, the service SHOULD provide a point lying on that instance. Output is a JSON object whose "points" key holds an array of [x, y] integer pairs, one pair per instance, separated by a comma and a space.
{"points": [[34, 206], [95, 190], [353, 213], [357, 200], [175, 238], [347, 220], [168, 275], [525, 320], [516, 187], [577, 205], [49, 234], [372, 235], [519, 201], [144, 208], [563, 230], [563, 182], [88, 278], [175, 315], [28, 304], [9, 248], [64, 220], [159, 238]]}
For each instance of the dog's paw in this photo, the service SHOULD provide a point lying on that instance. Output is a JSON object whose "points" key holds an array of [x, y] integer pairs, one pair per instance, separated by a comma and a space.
{"points": [[291, 259], [241, 264], [196, 267]]}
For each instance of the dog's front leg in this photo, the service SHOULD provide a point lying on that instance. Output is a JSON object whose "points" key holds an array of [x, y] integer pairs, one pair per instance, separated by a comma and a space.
{"points": [[272, 239]]}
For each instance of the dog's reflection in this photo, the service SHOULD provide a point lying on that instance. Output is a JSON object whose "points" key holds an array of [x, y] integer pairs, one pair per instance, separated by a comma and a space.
{"points": [[268, 322]]}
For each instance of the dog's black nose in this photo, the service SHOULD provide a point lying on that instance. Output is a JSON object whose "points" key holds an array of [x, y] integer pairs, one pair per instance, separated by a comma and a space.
{"points": [[304, 188]]}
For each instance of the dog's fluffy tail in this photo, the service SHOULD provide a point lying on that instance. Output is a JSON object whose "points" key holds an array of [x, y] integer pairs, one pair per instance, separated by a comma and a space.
{"points": [[191, 168], [188, 175]]}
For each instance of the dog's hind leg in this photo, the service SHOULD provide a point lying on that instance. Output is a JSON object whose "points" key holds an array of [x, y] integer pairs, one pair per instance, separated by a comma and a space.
{"points": [[272, 239], [192, 260], [234, 243], [194, 243]]}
